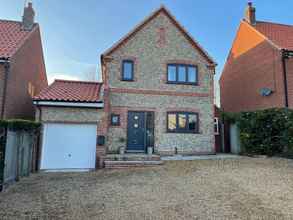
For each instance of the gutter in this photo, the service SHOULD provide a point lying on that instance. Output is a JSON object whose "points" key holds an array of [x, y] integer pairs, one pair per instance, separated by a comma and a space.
{"points": [[286, 54], [69, 104], [6, 64]]}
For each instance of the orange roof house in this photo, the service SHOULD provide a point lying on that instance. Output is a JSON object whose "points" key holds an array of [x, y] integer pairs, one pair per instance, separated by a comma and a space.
{"points": [[22, 66], [258, 73]]}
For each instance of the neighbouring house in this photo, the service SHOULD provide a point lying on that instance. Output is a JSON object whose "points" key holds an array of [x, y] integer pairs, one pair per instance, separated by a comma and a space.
{"points": [[157, 94], [258, 73], [22, 67]]}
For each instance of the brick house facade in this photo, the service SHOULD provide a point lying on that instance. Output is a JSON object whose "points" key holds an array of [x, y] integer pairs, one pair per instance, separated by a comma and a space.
{"points": [[22, 67], [151, 46], [258, 72]]}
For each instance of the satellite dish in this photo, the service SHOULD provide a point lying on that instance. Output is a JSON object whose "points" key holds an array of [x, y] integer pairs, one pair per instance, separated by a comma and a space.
{"points": [[265, 92]]}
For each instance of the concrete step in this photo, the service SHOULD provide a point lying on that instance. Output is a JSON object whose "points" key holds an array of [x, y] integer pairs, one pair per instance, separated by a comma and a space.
{"points": [[111, 164], [132, 157]]}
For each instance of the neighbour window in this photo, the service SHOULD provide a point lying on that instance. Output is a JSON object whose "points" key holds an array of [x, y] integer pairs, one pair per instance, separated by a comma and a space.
{"points": [[182, 122], [182, 74], [127, 70], [115, 120], [216, 125]]}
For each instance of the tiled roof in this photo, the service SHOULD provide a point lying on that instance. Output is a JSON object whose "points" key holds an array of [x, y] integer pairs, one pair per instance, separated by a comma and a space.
{"points": [[11, 37], [71, 91], [281, 35]]}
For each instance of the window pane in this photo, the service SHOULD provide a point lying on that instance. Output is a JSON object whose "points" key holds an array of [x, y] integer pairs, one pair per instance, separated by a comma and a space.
{"points": [[181, 74], [171, 73], [127, 69], [171, 122], [192, 122], [192, 74], [182, 121]]}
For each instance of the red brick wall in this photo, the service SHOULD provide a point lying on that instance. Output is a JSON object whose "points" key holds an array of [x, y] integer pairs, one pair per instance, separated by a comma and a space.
{"points": [[251, 65], [27, 66]]}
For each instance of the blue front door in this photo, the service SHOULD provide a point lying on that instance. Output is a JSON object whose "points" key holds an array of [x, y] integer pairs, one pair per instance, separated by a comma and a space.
{"points": [[136, 132]]}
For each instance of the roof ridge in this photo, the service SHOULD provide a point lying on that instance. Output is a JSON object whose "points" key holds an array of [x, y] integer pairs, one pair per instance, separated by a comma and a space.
{"points": [[8, 20], [270, 22], [77, 81]]}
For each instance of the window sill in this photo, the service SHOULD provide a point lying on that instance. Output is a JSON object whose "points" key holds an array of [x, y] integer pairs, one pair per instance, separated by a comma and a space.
{"points": [[127, 80], [182, 132], [182, 83]]}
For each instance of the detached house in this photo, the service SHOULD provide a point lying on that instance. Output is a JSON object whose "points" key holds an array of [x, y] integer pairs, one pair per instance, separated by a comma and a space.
{"points": [[258, 73], [157, 93], [22, 68]]}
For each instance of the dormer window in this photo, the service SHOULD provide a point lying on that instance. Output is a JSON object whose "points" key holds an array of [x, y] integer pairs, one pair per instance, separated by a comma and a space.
{"points": [[182, 74], [127, 70]]}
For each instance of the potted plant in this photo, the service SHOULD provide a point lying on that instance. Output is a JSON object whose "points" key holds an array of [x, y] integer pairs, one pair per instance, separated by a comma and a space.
{"points": [[122, 147], [150, 150]]}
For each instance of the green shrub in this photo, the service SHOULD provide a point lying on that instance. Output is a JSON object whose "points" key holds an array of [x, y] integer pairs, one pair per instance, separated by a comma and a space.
{"points": [[267, 132], [18, 124]]}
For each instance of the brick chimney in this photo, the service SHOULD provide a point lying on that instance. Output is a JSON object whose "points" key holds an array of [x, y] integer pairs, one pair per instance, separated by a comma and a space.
{"points": [[250, 14], [28, 17]]}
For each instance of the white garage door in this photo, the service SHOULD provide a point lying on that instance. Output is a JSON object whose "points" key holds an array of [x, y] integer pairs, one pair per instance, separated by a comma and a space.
{"points": [[69, 146]]}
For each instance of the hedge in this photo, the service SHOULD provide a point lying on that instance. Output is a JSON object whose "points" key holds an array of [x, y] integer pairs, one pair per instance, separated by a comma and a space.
{"points": [[18, 124], [268, 132]]}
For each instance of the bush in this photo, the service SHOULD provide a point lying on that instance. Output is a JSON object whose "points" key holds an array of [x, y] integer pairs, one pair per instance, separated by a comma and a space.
{"points": [[267, 132], [18, 124]]}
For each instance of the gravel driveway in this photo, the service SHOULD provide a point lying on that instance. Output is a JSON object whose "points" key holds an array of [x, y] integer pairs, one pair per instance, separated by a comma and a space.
{"points": [[245, 188]]}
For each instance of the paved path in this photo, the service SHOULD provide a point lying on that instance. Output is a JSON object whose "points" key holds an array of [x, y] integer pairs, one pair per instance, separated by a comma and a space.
{"points": [[202, 157]]}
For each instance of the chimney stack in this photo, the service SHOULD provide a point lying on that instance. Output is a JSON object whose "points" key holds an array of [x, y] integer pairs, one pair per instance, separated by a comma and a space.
{"points": [[28, 17], [250, 14]]}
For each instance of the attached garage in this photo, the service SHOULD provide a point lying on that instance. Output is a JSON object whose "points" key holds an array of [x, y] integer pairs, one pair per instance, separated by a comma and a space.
{"points": [[71, 113], [68, 146]]}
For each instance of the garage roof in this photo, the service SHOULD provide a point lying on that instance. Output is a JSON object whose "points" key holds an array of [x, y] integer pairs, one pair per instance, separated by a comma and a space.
{"points": [[71, 91]]}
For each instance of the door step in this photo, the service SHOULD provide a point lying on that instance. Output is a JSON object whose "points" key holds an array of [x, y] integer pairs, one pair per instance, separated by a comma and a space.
{"points": [[128, 164], [132, 157], [131, 160]]}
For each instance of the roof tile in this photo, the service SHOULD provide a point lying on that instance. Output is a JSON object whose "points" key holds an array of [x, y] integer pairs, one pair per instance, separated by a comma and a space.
{"points": [[11, 37], [279, 34], [71, 91]]}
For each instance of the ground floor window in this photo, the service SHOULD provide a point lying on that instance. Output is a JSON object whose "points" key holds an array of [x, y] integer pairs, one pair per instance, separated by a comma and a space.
{"points": [[182, 122]]}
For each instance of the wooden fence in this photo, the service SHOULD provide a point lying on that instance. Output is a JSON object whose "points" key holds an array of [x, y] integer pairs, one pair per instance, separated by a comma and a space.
{"points": [[18, 155]]}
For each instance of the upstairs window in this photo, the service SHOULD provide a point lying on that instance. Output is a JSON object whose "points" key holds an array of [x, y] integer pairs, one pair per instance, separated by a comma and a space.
{"points": [[182, 74], [182, 122], [127, 70]]}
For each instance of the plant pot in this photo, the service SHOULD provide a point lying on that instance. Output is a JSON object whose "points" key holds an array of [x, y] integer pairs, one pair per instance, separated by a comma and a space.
{"points": [[122, 150], [150, 150]]}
